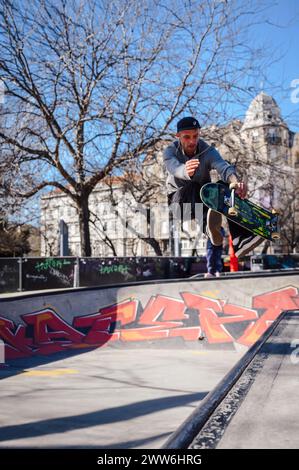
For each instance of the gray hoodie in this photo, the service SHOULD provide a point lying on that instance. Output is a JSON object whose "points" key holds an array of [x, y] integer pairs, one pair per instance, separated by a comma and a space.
{"points": [[209, 159]]}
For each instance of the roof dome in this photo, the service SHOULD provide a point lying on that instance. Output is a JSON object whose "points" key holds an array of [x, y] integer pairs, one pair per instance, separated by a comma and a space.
{"points": [[263, 111]]}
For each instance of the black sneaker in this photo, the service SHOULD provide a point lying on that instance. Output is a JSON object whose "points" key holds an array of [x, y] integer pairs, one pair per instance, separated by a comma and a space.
{"points": [[246, 243]]}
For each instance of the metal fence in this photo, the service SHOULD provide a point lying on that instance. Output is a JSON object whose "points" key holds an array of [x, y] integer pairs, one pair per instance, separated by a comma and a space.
{"points": [[27, 274], [277, 261]]}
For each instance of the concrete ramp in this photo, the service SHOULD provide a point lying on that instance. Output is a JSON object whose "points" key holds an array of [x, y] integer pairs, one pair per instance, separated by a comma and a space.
{"points": [[225, 313], [269, 414], [256, 405]]}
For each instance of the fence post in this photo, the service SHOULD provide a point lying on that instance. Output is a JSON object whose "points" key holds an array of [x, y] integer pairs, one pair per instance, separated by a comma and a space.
{"points": [[76, 273], [2, 353], [20, 261]]}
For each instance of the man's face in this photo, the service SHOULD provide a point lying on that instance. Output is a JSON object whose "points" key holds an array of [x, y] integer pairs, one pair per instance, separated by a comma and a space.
{"points": [[189, 140]]}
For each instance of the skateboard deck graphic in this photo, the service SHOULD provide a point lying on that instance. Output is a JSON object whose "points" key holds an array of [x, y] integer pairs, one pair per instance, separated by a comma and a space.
{"points": [[260, 221]]}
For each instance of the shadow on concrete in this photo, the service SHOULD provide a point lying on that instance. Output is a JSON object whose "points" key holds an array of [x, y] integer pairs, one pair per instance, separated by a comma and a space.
{"points": [[97, 418]]}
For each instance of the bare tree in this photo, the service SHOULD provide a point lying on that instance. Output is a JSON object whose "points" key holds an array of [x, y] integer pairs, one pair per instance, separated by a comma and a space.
{"points": [[133, 198], [101, 230], [144, 182], [13, 239], [91, 85]]}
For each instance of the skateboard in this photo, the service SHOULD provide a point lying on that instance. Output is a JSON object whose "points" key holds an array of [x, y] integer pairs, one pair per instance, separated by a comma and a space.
{"points": [[222, 198]]}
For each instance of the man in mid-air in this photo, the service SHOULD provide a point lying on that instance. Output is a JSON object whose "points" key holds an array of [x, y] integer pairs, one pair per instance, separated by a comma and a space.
{"points": [[189, 161]]}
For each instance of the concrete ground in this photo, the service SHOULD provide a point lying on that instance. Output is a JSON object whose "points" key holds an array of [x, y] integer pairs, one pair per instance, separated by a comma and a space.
{"points": [[109, 398], [269, 416]]}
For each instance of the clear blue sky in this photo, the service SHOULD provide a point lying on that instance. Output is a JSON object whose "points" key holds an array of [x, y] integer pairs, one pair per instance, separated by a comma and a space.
{"points": [[280, 31]]}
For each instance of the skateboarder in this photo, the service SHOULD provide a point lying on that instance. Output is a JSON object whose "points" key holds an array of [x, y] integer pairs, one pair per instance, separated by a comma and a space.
{"points": [[189, 161]]}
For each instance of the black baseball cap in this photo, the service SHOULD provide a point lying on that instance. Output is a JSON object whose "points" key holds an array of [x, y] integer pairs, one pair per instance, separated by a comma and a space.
{"points": [[187, 123]]}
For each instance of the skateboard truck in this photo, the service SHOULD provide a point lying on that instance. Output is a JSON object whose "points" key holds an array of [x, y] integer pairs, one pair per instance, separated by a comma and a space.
{"points": [[233, 210]]}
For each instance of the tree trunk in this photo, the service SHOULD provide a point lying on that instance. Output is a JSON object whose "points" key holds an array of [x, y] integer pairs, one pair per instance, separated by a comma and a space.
{"points": [[154, 244], [84, 214]]}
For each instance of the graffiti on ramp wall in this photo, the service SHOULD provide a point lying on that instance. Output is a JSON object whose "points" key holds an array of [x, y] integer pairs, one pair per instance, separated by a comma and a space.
{"points": [[189, 317]]}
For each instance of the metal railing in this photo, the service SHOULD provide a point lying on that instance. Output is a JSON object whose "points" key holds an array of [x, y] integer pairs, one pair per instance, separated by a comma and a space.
{"points": [[27, 274]]}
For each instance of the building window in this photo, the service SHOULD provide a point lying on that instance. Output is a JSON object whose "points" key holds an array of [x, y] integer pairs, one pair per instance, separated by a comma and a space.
{"points": [[185, 244], [273, 138]]}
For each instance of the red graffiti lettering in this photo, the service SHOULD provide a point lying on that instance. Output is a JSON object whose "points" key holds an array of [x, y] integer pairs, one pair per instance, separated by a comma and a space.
{"points": [[102, 325], [50, 332], [162, 310], [17, 345], [272, 304], [125, 312], [212, 316], [99, 329], [162, 318]]}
